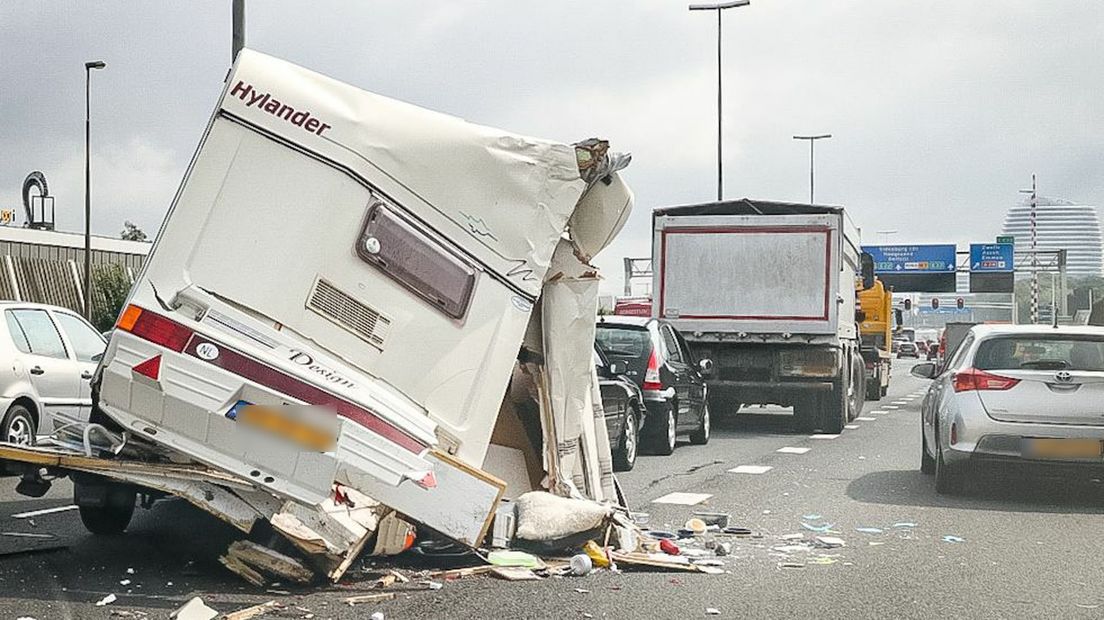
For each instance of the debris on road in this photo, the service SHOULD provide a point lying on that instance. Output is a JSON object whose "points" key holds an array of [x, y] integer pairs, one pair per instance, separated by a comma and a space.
{"points": [[953, 539], [107, 600], [194, 609]]}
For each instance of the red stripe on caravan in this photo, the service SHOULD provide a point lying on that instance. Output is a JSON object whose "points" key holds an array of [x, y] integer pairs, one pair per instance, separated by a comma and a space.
{"points": [[154, 327], [263, 374]]}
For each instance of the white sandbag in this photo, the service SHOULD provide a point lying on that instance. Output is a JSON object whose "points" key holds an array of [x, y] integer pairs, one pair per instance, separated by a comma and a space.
{"points": [[542, 516]]}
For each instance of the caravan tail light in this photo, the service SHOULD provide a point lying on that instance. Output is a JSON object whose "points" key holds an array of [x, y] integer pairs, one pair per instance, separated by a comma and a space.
{"points": [[652, 382], [155, 328]]}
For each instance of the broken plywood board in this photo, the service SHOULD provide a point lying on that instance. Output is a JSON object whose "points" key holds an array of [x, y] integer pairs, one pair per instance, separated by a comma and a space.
{"points": [[266, 560], [252, 612]]}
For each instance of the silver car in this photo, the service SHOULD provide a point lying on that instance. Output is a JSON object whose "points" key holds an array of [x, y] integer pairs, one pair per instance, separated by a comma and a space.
{"points": [[1028, 395], [47, 356]]}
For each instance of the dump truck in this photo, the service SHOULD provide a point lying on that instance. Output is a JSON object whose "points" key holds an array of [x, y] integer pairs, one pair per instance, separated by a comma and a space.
{"points": [[360, 318], [876, 322], [766, 290]]}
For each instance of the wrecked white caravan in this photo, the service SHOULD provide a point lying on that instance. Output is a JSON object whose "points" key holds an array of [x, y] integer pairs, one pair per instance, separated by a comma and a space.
{"points": [[382, 262]]}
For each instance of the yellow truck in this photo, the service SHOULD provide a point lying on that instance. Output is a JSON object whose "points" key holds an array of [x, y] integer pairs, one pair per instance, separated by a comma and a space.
{"points": [[876, 321]]}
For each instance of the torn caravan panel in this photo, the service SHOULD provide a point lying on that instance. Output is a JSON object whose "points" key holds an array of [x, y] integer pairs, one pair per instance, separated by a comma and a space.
{"points": [[333, 247]]}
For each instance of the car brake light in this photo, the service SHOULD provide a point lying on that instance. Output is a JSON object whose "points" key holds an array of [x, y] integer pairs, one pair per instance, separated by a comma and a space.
{"points": [[652, 381], [974, 379], [155, 328]]}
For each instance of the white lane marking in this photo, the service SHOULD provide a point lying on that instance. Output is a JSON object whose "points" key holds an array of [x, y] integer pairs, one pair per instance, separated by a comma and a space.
{"points": [[852, 427], [823, 436], [877, 412], [685, 499], [789, 450], [891, 407], [750, 469], [44, 511], [864, 419], [900, 402]]}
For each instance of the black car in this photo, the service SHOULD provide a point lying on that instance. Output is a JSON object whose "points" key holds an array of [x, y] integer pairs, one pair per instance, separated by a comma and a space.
{"points": [[657, 359], [623, 404]]}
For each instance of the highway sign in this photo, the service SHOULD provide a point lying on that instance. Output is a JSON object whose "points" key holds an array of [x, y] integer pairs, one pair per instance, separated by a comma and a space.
{"points": [[912, 258], [991, 258], [1009, 239]]}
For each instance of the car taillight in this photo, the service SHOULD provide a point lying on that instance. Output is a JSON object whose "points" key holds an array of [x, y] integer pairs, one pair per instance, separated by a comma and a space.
{"points": [[974, 379], [651, 376], [155, 328]]}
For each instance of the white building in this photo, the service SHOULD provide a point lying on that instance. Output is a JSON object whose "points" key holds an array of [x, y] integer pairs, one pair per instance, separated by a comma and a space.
{"points": [[1060, 224]]}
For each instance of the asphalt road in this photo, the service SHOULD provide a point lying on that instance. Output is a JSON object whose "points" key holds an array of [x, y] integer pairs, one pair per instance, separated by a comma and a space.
{"points": [[1028, 547]]}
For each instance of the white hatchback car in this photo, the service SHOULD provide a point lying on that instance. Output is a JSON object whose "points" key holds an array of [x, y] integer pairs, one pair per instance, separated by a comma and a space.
{"points": [[47, 356], [1014, 395]]}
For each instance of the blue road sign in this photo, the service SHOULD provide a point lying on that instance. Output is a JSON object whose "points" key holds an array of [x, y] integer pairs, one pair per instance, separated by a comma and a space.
{"points": [[991, 257], [912, 259]]}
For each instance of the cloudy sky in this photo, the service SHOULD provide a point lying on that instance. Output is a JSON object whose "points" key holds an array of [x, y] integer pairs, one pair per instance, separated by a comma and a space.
{"points": [[940, 110]]}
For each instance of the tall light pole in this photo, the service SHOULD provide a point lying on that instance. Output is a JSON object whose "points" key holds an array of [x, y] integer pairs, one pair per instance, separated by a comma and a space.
{"points": [[885, 235], [1034, 250], [718, 7], [88, 67], [812, 140]]}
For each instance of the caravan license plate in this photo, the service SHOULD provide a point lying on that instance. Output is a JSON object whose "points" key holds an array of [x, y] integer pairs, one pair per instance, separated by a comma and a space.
{"points": [[1063, 449], [286, 422]]}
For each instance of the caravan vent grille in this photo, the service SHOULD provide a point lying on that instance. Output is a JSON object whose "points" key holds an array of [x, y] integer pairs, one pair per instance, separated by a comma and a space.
{"points": [[342, 309]]}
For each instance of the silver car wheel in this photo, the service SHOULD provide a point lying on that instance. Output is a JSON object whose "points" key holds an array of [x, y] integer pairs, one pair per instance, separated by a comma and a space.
{"points": [[19, 432]]}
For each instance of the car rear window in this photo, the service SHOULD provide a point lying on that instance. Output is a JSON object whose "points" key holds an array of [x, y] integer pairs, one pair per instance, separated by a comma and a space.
{"points": [[624, 341], [1041, 353]]}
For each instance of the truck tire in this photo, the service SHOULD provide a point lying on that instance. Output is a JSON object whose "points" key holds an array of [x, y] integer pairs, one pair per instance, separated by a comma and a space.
{"points": [[874, 385], [805, 414], [836, 406], [857, 391]]}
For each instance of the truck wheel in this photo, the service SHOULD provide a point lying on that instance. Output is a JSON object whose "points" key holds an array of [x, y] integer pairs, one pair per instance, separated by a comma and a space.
{"points": [[874, 386], [700, 437], [805, 414], [857, 389], [836, 406], [625, 456], [113, 516]]}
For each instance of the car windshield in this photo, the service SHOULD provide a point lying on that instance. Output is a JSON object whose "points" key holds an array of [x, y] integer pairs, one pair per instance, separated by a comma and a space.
{"points": [[624, 340], [1041, 353]]}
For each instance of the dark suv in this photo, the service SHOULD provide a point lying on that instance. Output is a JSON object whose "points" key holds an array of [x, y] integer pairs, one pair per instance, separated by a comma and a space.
{"points": [[656, 357]]}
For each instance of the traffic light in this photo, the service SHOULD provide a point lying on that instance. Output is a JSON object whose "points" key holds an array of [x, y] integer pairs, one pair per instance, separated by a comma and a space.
{"points": [[960, 303], [908, 304], [935, 303]]}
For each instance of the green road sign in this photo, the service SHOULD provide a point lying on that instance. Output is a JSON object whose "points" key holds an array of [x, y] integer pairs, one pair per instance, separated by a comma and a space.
{"points": [[1006, 239]]}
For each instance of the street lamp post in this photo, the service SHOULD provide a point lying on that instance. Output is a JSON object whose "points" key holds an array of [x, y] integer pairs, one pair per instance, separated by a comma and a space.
{"points": [[885, 235], [812, 140], [88, 67], [718, 8]]}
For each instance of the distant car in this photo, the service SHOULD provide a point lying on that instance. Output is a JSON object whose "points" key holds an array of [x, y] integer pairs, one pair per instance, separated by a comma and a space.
{"points": [[907, 349], [1020, 395], [623, 405], [47, 357], [895, 344], [922, 347], [658, 360]]}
